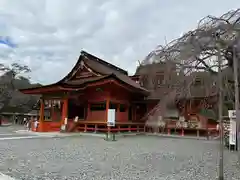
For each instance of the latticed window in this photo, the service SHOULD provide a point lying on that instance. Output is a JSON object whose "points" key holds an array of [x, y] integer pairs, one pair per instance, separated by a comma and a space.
{"points": [[122, 108], [98, 106]]}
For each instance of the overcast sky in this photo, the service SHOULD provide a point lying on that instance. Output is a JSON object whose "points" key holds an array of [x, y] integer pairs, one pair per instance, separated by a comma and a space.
{"points": [[51, 33]]}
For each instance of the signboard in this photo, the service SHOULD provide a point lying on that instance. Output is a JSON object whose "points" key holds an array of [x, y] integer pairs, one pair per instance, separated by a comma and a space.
{"points": [[232, 114], [63, 127], [232, 133], [233, 127], [65, 121], [111, 117], [76, 119]]}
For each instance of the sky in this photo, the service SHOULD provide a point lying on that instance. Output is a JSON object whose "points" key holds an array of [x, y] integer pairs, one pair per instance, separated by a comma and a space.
{"points": [[51, 33]]}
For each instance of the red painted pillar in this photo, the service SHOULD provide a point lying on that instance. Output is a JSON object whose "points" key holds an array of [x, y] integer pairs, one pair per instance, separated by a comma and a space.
{"points": [[106, 118], [64, 113], [88, 111], [107, 107], [64, 110], [53, 115], [41, 116]]}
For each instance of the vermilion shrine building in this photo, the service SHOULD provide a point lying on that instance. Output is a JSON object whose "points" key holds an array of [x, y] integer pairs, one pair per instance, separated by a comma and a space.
{"points": [[91, 88], [88, 91]]}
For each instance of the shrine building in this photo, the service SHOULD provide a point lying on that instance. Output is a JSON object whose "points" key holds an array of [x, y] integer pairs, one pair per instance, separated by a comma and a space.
{"points": [[91, 88], [81, 100]]}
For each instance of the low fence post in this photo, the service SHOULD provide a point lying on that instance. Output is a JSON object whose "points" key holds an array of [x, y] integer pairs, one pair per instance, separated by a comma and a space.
{"points": [[129, 128], [207, 134], [95, 128], [119, 128], [169, 131], [182, 132], [110, 136]]}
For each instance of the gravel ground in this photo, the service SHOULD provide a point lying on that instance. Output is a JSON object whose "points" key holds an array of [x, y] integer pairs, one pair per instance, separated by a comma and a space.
{"points": [[131, 158], [10, 129]]}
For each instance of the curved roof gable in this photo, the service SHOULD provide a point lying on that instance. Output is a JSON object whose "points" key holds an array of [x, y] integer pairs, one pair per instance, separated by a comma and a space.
{"points": [[98, 65]]}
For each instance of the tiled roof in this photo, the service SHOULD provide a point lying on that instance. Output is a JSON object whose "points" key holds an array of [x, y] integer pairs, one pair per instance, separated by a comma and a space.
{"points": [[105, 69]]}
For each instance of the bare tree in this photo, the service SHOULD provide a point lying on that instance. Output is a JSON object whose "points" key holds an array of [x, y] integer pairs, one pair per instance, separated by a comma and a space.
{"points": [[196, 52]]}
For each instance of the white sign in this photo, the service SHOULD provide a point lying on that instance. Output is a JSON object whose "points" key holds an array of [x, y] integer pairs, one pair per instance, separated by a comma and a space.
{"points": [[65, 121], [76, 119], [111, 117], [233, 127], [232, 133], [63, 127], [232, 113]]}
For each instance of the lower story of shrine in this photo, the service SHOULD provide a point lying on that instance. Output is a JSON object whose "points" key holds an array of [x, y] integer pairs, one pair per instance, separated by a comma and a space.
{"points": [[87, 111], [92, 116], [90, 106], [91, 112]]}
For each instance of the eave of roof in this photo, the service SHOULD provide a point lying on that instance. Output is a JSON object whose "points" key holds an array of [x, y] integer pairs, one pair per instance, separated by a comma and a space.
{"points": [[47, 88], [75, 85], [110, 70]]}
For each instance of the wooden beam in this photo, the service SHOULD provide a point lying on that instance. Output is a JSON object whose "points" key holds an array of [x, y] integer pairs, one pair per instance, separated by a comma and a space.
{"points": [[54, 95], [41, 90], [102, 82]]}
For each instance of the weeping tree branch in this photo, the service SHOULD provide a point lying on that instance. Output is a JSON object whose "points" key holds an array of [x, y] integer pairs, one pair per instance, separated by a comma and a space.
{"points": [[194, 54]]}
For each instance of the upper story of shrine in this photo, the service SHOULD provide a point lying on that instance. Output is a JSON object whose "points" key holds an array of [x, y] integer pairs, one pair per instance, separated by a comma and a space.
{"points": [[91, 72]]}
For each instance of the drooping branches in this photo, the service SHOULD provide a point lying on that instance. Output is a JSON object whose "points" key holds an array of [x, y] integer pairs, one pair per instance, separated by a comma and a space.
{"points": [[194, 55]]}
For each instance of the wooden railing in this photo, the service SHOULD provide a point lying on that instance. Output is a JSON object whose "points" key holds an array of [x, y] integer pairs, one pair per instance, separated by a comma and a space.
{"points": [[170, 130], [91, 126], [120, 127]]}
